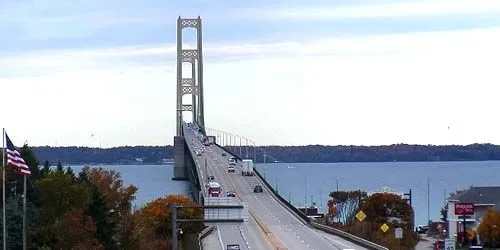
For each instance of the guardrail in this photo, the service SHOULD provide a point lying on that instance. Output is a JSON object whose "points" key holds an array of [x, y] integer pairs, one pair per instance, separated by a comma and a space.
{"points": [[348, 236], [285, 202], [307, 220], [204, 234], [331, 230]]}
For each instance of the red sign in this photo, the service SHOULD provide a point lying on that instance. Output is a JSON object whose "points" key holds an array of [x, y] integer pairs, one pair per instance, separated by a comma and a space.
{"points": [[464, 208]]}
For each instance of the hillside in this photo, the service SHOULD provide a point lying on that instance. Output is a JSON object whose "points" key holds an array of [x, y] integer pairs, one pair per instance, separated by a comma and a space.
{"points": [[310, 153]]}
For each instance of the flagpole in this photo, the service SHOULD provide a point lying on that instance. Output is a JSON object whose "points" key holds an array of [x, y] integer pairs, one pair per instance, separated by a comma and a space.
{"points": [[24, 215], [3, 191]]}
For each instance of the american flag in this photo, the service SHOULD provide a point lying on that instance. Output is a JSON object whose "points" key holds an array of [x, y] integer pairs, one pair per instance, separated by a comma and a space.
{"points": [[14, 158]]}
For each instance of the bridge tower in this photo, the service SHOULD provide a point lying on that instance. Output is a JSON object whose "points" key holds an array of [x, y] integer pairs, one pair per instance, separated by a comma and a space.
{"points": [[188, 86]]}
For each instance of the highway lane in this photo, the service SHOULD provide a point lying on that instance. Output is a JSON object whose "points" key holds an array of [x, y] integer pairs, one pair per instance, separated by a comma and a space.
{"points": [[247, 235], [289, 229], [253, 235]]}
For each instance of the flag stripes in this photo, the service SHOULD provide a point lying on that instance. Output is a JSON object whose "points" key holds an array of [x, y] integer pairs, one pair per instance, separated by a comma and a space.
{"points": [[14, 159]]}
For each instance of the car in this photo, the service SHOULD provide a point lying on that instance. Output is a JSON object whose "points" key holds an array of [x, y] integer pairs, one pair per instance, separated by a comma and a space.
{"points": [[223, 154], [230, 194], [211, 178], [233, 247], [258, 189], [422, 229]]}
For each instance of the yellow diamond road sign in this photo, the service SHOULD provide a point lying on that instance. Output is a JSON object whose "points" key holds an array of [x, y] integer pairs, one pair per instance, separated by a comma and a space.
{"points": [[384, 228], [360, 215]]}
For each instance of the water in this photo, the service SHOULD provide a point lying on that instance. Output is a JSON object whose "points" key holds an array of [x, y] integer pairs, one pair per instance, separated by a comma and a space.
{"points": [[295, 180], [318, 179]]}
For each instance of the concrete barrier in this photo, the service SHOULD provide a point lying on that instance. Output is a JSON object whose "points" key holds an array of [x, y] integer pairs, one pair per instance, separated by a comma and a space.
{"points": [[348, 236], [327, 229], [204, 234], [307, 221]]}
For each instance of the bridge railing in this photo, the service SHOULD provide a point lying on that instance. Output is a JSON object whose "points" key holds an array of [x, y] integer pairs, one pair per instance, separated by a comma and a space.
{"points": [[307, 220]]}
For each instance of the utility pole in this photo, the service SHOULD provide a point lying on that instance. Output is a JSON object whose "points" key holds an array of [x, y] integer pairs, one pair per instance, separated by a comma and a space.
{"points": [[174, 226], [428, 200], [305, 195]]}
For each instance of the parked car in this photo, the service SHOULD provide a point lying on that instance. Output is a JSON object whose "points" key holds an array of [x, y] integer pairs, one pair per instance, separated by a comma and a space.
{"points": [[223, 154], [211, 178], [257, 189], [230, 194], [422, 229]]}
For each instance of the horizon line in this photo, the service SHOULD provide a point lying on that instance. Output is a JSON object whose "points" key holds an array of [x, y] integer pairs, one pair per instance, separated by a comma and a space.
{"points": [[308, 145]]}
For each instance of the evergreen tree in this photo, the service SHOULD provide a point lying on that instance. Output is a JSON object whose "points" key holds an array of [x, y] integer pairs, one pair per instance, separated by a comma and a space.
{"points": [[99, 213], [45, 170], [59, 168], [69, 171]]}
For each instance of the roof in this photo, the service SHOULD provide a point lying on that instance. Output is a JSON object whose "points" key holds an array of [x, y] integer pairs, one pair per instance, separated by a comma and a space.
{"points": [[479, 195]]}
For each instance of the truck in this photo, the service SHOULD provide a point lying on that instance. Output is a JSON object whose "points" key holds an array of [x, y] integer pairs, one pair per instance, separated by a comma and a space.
{"points": [[247, 167], [214, 189]]}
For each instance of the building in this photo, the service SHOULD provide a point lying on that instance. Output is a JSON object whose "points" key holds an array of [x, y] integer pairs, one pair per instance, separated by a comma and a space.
{"points": [[481, 197]]}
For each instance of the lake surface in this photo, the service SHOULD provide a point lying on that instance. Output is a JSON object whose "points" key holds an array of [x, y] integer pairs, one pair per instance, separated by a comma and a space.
{"points": [[315, 180]]}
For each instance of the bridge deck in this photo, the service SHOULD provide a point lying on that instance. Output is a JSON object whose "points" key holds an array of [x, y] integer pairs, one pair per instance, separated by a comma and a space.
{"points": [[271, 225]]}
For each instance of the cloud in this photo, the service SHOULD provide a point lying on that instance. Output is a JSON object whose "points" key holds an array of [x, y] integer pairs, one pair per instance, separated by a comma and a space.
{"points": [[359, 90], [64, 60], [424, 8]]}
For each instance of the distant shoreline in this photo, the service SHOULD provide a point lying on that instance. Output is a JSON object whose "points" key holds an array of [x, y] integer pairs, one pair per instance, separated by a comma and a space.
{"points": [[161, 155]]}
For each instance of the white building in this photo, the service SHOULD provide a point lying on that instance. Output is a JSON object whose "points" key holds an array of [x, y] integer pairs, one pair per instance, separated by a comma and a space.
{"points": [[482, 197]]}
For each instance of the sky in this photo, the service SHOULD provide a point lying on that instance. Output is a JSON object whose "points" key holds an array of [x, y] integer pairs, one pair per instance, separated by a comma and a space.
{"points": [[336, 72]]}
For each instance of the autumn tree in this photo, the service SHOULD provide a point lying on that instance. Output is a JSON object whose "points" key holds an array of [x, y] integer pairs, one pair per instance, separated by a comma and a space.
{"points": [[489, 229], [346, 203], [56, 195], [392, 210], [153, 223], [111, 204], [76, 231]]}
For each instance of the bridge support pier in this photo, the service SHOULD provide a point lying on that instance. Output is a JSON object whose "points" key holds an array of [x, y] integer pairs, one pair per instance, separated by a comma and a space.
{"points": [[182, 159]]}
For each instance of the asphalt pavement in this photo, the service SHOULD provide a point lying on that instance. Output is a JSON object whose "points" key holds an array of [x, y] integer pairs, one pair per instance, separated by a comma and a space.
{"points": [[270, 225]]}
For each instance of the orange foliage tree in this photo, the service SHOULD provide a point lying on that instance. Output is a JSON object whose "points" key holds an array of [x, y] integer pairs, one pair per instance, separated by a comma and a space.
{"points": [[392, 210], [76, 231], [117, 205], [153, 222], [489, 229]]}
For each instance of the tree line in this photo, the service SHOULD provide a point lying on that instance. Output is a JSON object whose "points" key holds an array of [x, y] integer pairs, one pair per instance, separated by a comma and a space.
{"points": [[91, 209], [305, 154]]}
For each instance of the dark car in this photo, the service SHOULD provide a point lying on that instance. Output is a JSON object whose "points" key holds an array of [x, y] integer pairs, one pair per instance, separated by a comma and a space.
{"points": [[233, 247], [230, 194], [257, 189], [422, 229], [223, 154]]}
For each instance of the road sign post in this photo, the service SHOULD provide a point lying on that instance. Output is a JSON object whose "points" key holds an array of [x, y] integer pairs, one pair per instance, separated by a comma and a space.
{"points": [[449, 244], [464, 209], [398, 235]]}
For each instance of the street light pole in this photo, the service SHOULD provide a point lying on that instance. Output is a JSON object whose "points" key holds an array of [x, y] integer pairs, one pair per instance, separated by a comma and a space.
{"points": [[174, 226]]}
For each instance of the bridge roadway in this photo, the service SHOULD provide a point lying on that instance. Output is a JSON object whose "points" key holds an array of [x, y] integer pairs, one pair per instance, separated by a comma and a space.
{"points": [[286, 230], [248, 235]]}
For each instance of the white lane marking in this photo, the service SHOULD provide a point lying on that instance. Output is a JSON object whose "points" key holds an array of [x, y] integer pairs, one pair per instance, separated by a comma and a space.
{"points": [[335, 242], [220, 239], [243, 236]]}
